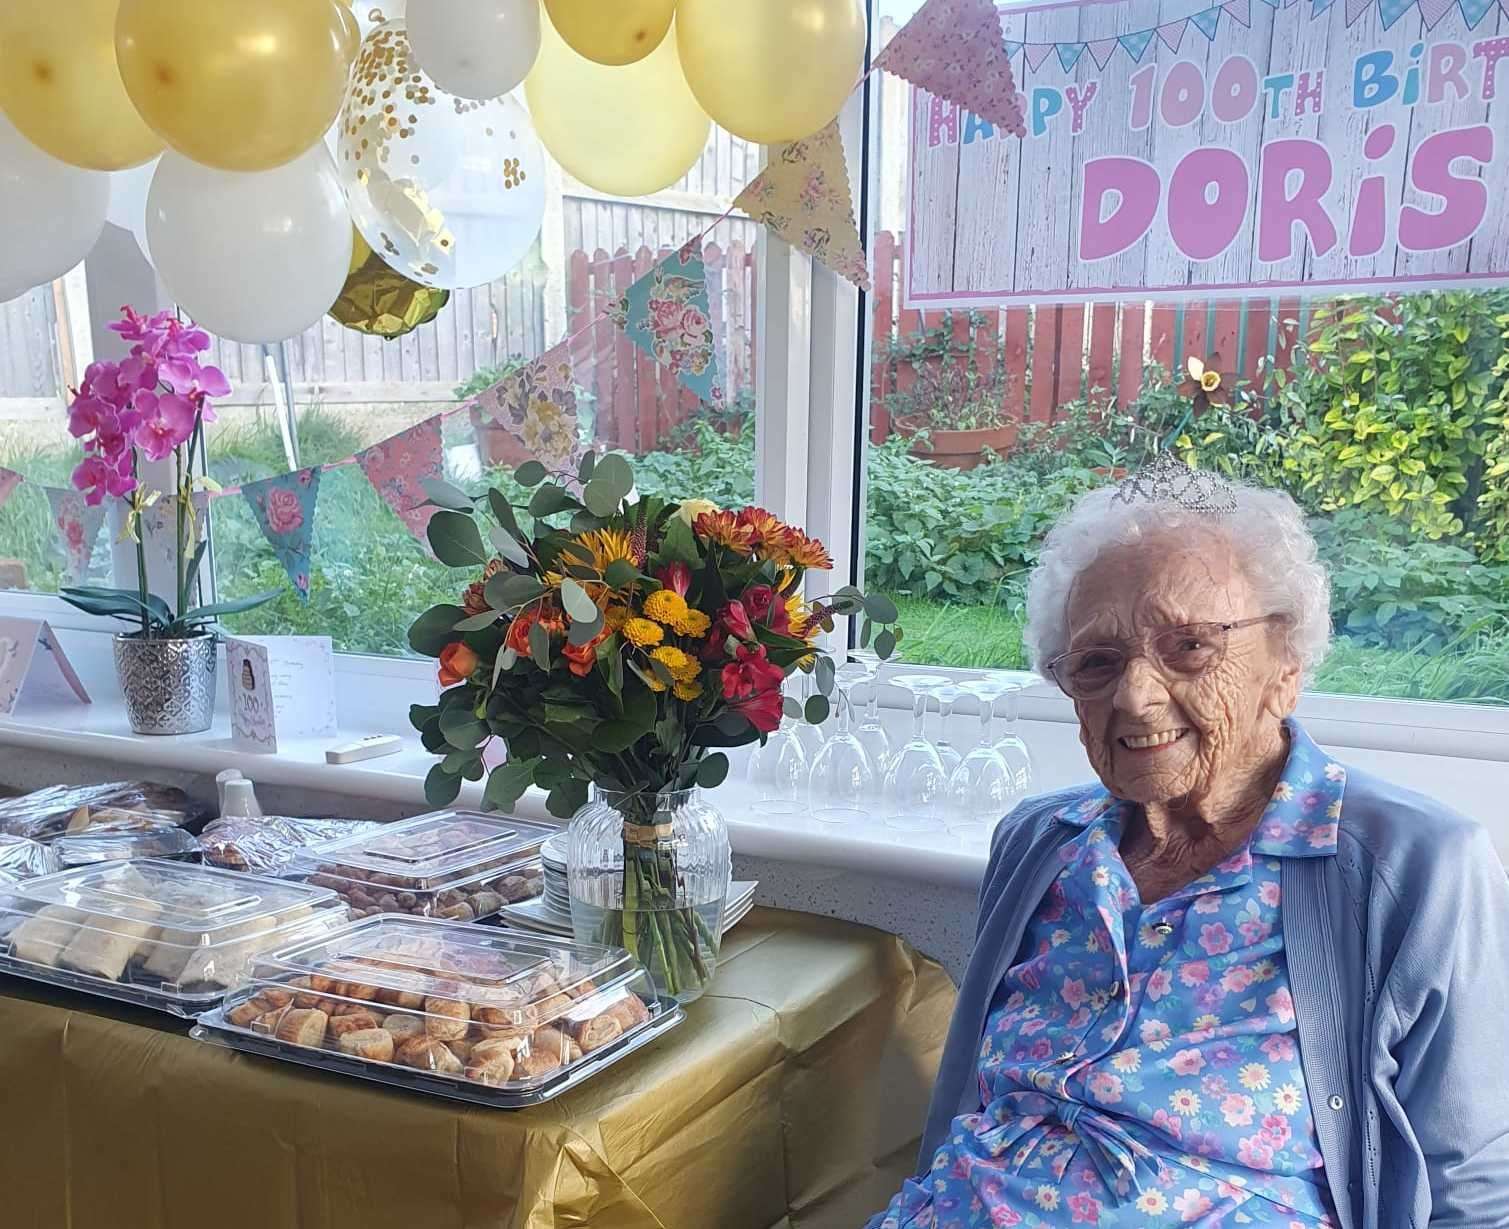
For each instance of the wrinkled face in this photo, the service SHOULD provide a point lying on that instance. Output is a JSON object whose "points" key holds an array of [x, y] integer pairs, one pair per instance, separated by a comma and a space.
{"points": [[1159, 739]]}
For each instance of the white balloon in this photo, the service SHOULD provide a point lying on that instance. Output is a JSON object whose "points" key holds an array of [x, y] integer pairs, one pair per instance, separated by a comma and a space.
{"points": [[251, 257], [50, 213], [453, 194], [128, 202], [476, 48]]}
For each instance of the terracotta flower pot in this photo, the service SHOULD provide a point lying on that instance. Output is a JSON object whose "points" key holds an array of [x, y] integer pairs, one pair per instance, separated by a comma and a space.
{"points": [[963, 449]]}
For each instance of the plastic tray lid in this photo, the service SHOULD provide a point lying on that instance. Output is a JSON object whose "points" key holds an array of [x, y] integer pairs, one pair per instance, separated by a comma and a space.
{"points": [[431, 850], [477, 965], [174, 895]]}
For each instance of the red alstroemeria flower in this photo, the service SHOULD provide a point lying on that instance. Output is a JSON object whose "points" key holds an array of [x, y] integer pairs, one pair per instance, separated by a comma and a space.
{"points": [[752, 687], [675, 576], [733, 620]]}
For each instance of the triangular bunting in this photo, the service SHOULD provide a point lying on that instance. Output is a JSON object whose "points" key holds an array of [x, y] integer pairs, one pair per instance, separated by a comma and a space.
{"points": [[1172, 34], [9, 481], [1473, 11], [1240, 11], [953, 49], [1037, 53], [1273, 4], [1101, 51], [666, 314], [803, 195], [1012, 48], [284, 508], [536, 406], [1207, 21], [1320, 7], [1356, 8], [159, 530], [1433, 10], [1136, 44], [1069, 53], [397, 467], [78, 525]]}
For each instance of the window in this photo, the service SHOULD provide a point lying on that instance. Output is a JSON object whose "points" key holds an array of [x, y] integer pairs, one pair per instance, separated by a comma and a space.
{"points": [[44, 349], [322, 397], [1384, 415]]}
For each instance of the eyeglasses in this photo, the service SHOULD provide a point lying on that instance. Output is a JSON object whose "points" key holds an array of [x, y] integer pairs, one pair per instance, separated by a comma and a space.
{"points": [[1185, 652]]}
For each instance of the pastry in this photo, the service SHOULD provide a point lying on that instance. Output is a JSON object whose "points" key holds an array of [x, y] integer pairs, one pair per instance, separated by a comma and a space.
{"points": [[103, 946], [597, 1032], [357, 1021], [243, 1014], [461, 1049], [41, 938], [269, 1023], [224, 964], [404, 1028], [446, 1019], [400, 998], [495, 1069], [303, 1028], [428, 1054], [371, 1043], [169, 952]]}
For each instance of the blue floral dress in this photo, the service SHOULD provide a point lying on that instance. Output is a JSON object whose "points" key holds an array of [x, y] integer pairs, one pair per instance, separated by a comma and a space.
{"points": [[1140, 1064]]}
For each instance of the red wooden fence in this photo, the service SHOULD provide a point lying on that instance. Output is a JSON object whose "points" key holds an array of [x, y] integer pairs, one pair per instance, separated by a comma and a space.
{"points": [[640, 403]]}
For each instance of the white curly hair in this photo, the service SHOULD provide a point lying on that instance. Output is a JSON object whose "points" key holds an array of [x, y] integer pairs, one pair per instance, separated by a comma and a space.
{"points": [[1266, 532]]}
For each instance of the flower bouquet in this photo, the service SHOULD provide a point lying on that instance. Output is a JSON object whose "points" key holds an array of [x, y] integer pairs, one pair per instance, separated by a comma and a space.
{"points": [[623, 645], [153, 405]]}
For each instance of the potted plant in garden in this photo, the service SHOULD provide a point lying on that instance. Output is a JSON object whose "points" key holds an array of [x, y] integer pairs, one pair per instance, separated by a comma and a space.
{"points": [[954, 415], [617, 655], [153, 405]]}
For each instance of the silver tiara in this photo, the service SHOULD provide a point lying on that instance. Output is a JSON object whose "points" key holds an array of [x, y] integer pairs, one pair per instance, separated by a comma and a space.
{"points": [[1167, 480]]}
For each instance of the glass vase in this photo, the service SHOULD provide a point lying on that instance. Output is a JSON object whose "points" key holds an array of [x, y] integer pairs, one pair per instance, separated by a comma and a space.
{"points": [[650, 873]]}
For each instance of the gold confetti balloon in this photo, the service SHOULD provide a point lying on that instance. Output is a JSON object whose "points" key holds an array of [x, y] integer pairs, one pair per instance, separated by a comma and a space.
{"points": [[237, 86], [450, 192], [772, 71], [60, 85], [382, 302], [622, 32]]}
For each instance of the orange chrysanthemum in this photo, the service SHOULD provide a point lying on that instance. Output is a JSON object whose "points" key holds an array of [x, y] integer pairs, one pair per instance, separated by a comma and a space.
{"points": [[725, 529], [766, 530], [807, 552]]}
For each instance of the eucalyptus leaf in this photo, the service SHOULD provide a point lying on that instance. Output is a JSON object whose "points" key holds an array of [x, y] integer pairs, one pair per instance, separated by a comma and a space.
{"points": [[866, 630], [443, 495], [712, 771], [539, 646], [476, 622], [885, 645], [510, 591], [456, 540], [550, 499], [880, 608], [531, 473], [791, 707], [824, 672], [817, 710], [506, 661], [503, 512], [587, 465], [620, 574], [614, 471], [441, 787], [434, 629], [584, 631], [600, 498], [578, 605], [508, 546]]}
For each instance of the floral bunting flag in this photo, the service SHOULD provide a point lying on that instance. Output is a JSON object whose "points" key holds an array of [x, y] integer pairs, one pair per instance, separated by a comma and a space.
{"points": [[159, 527], [666, 314], [954, 50], [536, 405], [284, 508], [397, 467], [78, 526], [9, 481], [803, 195]]}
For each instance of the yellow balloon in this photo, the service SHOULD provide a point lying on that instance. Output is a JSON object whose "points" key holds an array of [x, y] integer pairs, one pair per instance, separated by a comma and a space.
{"points": [[627, 131], [237, 86], [771, 70], [618, 32], [60, 87]]}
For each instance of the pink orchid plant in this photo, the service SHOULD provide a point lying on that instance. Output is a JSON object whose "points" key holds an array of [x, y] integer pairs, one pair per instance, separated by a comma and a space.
{"points": [[153, 404]]}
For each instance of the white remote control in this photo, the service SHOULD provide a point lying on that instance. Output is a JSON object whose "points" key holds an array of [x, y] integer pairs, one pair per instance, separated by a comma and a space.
{"points": [[364, 749]]}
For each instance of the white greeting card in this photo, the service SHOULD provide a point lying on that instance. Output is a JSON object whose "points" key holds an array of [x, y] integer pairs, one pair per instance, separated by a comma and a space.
{"points": [[279, 687], [31, 657]]}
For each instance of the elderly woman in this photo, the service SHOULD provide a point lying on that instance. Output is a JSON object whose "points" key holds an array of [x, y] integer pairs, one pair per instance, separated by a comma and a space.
{"points": [[1235, 983]]}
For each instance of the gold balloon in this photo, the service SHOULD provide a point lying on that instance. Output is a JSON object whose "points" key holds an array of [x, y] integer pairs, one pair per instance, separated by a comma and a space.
{"points": [[380, 301], [618, 32], [237, 86], [627, 131], [60, 87], [772, 70]]}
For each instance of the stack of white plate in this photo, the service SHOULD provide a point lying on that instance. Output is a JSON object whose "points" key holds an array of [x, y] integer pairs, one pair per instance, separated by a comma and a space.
{"points": [[555, 898], [543, 915]]}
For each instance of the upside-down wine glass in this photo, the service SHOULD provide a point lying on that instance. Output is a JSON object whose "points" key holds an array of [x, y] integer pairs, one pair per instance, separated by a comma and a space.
{"points": [[810, 736], [843, 779], [871, 732], [1011, 745], [778, 772], [983, 787], [947, 752], [915, 783]]}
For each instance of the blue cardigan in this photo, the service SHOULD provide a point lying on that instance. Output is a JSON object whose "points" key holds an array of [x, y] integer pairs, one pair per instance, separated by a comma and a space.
{"points": [[1398, 952]]}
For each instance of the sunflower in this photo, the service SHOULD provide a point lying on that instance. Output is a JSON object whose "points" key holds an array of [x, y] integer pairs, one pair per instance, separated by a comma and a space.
{"points": [[599, 548], [695, 624], [665, 606], [642, 634], [725, 529], [688, 690], [799, 615]]}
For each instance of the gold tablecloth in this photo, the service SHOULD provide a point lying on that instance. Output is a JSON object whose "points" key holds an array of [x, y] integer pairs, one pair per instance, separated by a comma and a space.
{"points": [[791, 1098]]}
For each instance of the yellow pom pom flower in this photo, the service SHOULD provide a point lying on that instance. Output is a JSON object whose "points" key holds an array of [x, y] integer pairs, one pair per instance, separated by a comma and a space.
{"points": [[665, 606], [695, 624], [674, 660], [687, 690], [642, 634]]}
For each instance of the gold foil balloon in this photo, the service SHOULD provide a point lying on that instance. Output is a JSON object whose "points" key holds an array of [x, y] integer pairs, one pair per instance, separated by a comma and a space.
{"points": [[448, 191], [619, 32], [237, 86], [60, 86], [627, 131], [775, 70], [381, 302]]}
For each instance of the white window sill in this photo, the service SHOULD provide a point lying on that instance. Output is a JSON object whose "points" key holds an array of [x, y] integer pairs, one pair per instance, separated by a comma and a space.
{"points": [[374, 694]]}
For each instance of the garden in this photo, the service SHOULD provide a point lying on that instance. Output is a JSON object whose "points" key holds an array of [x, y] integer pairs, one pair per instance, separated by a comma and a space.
{"points": [[1390, 427]]}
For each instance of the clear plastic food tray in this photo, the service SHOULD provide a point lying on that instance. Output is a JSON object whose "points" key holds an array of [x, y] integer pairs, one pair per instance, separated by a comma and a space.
{"points": [[457, 865], [482, 1015], [154, 840], [167, 935]]}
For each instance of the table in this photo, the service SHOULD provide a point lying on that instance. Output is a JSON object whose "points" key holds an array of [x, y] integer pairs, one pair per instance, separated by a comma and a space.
{"points": [[792, 1098]]}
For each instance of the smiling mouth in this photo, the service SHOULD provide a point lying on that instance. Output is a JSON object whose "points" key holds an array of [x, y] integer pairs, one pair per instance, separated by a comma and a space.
{"points": [[1152, 742]]}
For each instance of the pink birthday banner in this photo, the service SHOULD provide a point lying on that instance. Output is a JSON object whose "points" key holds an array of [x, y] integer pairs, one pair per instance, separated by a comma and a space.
{"points": [[1228, 150]]}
